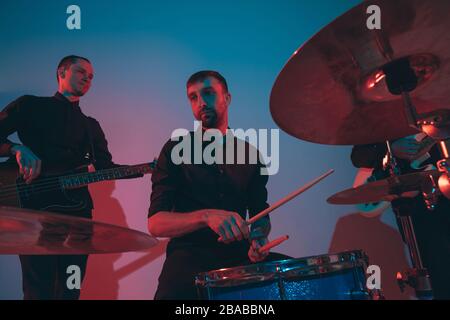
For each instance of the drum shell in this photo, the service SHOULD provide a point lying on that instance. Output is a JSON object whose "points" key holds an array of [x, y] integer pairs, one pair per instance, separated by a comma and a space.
{"points": [[327, 277]]}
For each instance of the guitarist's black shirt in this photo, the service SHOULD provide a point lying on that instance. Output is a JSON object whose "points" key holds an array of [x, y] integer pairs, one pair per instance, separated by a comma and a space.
{"points": [[56, 130]]}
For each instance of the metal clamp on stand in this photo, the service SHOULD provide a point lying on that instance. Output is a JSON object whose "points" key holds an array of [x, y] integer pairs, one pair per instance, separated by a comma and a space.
{"points": [[417, 279]]}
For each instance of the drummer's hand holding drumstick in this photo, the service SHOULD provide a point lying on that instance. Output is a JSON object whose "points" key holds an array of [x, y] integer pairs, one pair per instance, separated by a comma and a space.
{"points": [[254, 254], [258, 238], [228, 225], [231, 227], [261, 246]]}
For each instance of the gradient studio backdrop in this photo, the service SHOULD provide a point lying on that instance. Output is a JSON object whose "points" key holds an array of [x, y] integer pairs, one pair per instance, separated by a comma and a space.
{"points": [[142, 53]]}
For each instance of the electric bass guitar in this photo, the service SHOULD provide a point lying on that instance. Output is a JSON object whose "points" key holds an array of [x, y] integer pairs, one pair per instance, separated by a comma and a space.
{"points": [[50, 190]]}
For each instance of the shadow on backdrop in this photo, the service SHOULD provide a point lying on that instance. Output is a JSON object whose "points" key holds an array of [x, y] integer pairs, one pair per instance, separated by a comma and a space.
{"points": [[102, 280]]}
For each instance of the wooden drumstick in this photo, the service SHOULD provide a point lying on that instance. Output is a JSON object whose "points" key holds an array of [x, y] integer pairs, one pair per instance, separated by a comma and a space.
{"points": [[272, 244], [288, 197]]}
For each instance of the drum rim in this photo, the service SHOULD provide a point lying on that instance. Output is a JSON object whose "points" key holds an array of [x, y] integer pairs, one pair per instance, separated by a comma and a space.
{"points": [[284, 269]]}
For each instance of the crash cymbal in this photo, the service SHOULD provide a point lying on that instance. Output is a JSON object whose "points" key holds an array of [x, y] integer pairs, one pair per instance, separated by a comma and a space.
{"points": [[333, 89], [40, 233], [384, 190]]}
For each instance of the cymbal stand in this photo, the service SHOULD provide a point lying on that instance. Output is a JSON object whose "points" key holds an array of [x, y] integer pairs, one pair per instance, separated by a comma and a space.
{"points": [[401, 80], [417, 276]]}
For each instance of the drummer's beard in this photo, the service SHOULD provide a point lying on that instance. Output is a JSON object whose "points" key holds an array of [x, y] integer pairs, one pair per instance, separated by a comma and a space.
{"points": [[209, 119]]}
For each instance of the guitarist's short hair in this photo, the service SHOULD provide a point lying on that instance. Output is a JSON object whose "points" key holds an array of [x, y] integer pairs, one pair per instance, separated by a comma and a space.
{"points": [[67, 61]]}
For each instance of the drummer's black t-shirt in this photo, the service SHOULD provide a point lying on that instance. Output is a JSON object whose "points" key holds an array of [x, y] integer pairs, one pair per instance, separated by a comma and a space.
{"points": [[187, 187]]}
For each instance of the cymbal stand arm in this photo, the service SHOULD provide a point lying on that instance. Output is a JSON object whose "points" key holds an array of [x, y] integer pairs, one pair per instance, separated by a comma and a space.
{"points": [[417, 276]]}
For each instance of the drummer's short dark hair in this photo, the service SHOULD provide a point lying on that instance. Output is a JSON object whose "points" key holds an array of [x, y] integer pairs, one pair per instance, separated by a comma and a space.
{"points": [[202, 75], [67, 61]]}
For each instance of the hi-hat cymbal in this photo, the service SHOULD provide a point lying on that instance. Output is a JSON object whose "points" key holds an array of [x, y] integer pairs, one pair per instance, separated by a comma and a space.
{"points": [[333, 89], [40, 233], [384, 190]]}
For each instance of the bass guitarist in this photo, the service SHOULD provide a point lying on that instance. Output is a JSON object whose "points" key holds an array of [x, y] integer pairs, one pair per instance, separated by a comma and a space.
{"points": [[55, 134]]}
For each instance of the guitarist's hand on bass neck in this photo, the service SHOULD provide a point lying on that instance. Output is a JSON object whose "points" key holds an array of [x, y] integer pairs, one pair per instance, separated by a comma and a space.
{"points": [[412, 147], [29, 163]]}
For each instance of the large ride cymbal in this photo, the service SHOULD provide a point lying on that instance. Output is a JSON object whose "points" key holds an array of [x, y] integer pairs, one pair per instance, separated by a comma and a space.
{"points": [[384, 190], [333, 89], [42, 233]]}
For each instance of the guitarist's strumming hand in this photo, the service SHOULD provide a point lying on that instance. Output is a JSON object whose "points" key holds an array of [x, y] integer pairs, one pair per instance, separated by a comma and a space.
{"points": [[412, 147], [29, 163]]}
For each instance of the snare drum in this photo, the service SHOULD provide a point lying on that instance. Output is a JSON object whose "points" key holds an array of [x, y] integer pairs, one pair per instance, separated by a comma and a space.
{"points": [[340, 276]]}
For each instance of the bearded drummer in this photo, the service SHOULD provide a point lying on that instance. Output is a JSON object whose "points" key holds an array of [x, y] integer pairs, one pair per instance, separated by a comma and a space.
{"points": [[432, 228], [202, 207]]}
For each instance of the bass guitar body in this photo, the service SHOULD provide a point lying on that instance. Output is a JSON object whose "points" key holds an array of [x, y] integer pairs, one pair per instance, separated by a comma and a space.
{"points": [[44, 193]]}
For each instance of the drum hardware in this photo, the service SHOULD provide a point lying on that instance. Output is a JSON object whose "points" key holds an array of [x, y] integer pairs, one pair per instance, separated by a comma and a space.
{"points": [[411, 278], [394, 188], [435, 124], [389, 166], [389, 162], [366, 82], [417, 277], [430, 192], [391, 188]]}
